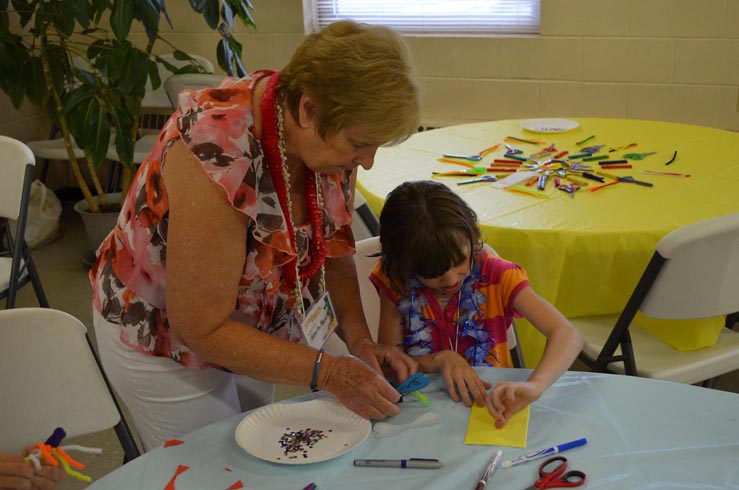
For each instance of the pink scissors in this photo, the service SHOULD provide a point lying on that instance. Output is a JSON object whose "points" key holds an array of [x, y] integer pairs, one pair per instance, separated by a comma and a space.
{"points": [[552, 475]]}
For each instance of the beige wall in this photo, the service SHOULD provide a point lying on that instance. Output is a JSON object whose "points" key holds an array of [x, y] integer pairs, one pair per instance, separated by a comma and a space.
{"points": [[675, 60]]}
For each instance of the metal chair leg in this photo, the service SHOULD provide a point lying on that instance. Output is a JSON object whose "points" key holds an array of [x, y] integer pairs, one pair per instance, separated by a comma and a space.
{"points": [[125, 437], [35, 280], [122, 429]]}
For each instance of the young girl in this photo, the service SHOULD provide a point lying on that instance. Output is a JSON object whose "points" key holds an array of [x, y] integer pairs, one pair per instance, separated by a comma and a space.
{"points": [[448, 301]]}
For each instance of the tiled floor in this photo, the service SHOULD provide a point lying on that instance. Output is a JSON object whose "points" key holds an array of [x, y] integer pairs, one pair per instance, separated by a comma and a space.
{"points": [[65, 280]]}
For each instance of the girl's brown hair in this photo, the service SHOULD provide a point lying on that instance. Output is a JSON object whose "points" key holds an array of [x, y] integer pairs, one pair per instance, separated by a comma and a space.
{"points": [[422, 226]]}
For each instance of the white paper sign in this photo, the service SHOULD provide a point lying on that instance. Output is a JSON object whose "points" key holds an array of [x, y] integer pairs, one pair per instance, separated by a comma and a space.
{"points": [[320, 322]]}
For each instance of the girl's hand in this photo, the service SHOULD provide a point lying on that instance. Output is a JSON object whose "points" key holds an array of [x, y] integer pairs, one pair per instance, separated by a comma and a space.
{"points": [[508, 398], [461, 378], [48, 477], [16, 473]]}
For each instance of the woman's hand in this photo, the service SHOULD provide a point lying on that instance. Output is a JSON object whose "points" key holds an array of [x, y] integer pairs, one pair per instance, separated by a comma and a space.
{"points": [[358, 387], [461, 378], [508, 398], [379, 355]]}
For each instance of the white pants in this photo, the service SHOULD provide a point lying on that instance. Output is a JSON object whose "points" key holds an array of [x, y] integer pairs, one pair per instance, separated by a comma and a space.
{"points": [[167, 400]]}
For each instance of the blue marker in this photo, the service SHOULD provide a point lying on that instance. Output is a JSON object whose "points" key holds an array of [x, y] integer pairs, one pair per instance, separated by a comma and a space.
{"points": [[544, 453]]}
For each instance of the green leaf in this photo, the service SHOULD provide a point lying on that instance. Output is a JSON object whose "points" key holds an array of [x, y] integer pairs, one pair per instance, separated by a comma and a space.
{"points": [[235, 46], [4, 19], [65, 21], [84, 76], [80, 13], [117, 60], [198, 5], [147, 11], [98, 8], [236, 56], [9, 63], [24, 9], [189, 69], [41, 21], [242, 8], [13, 55], [121, 18], [166, 64], [124, 143], [32, 74], [227, 13], [16, 94], [153, 68], [60, 69], [211, 13], [229, 54], [97, 132], [80, 95], [137, 73], [223, 54], [97, 48], [163, 9], [77, 118]]}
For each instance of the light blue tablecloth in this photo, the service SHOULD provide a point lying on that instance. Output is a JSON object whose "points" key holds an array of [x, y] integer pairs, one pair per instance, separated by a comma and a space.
{"points": [[642, 434]]}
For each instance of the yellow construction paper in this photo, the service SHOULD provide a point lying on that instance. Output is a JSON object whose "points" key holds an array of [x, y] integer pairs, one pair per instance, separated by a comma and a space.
{"points": [[481, 429]]}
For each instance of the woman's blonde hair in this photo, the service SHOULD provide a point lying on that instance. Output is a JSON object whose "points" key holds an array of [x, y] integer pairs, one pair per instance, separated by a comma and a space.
{"points": [[357, 76]]}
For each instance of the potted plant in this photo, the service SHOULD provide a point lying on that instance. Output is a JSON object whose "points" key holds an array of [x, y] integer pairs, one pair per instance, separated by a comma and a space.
{"points": [[74, 60]]}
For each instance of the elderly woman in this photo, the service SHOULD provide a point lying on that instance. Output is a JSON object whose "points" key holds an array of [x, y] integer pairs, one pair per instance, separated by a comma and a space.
{"points": [[236, 225]]}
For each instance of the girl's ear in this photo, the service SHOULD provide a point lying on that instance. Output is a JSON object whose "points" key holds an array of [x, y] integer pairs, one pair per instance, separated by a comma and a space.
{"points": [[306, 112]]}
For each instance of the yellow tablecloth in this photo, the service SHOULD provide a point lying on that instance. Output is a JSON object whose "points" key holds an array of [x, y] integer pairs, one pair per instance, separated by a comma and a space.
{"points": [[583, 254]]}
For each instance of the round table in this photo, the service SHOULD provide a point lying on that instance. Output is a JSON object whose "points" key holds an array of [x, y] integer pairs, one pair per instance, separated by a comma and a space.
{"points": [[583, 254], [642, 434]]}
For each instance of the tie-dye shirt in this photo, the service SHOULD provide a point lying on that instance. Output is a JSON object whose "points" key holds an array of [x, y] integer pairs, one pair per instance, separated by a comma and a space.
{"points": [[473, 323], [129, 277]]}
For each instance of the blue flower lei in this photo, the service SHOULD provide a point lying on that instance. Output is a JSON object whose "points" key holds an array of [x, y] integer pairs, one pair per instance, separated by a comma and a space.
{"points": [[419, 328]]}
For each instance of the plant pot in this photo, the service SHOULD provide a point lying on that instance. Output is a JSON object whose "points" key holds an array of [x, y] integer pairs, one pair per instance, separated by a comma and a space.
{"points": [[98, 225]]}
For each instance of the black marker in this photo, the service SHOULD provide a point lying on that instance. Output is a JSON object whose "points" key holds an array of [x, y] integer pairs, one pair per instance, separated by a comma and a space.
{"points": [[399, 463]]}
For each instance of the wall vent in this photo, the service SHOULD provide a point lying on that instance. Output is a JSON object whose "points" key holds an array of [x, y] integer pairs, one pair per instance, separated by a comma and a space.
{"points": [[152, 121]]}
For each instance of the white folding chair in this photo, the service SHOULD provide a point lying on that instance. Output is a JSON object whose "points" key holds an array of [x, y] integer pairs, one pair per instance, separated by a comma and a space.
{"points": [[371, 302], [367, 224], [52, 378], [193, 81], [694, 273], [16, 173]]}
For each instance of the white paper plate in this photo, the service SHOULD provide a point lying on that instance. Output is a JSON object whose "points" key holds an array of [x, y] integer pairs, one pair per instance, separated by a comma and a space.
{"points": [[549, 125], [260, 433]]}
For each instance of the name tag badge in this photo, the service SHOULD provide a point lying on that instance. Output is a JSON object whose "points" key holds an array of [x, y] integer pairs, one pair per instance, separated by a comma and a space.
{"points": [[320, 322]]}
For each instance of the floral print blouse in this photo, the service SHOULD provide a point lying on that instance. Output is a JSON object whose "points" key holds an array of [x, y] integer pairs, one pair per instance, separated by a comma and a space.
{"points": [[129, 277], [474, 323]]}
